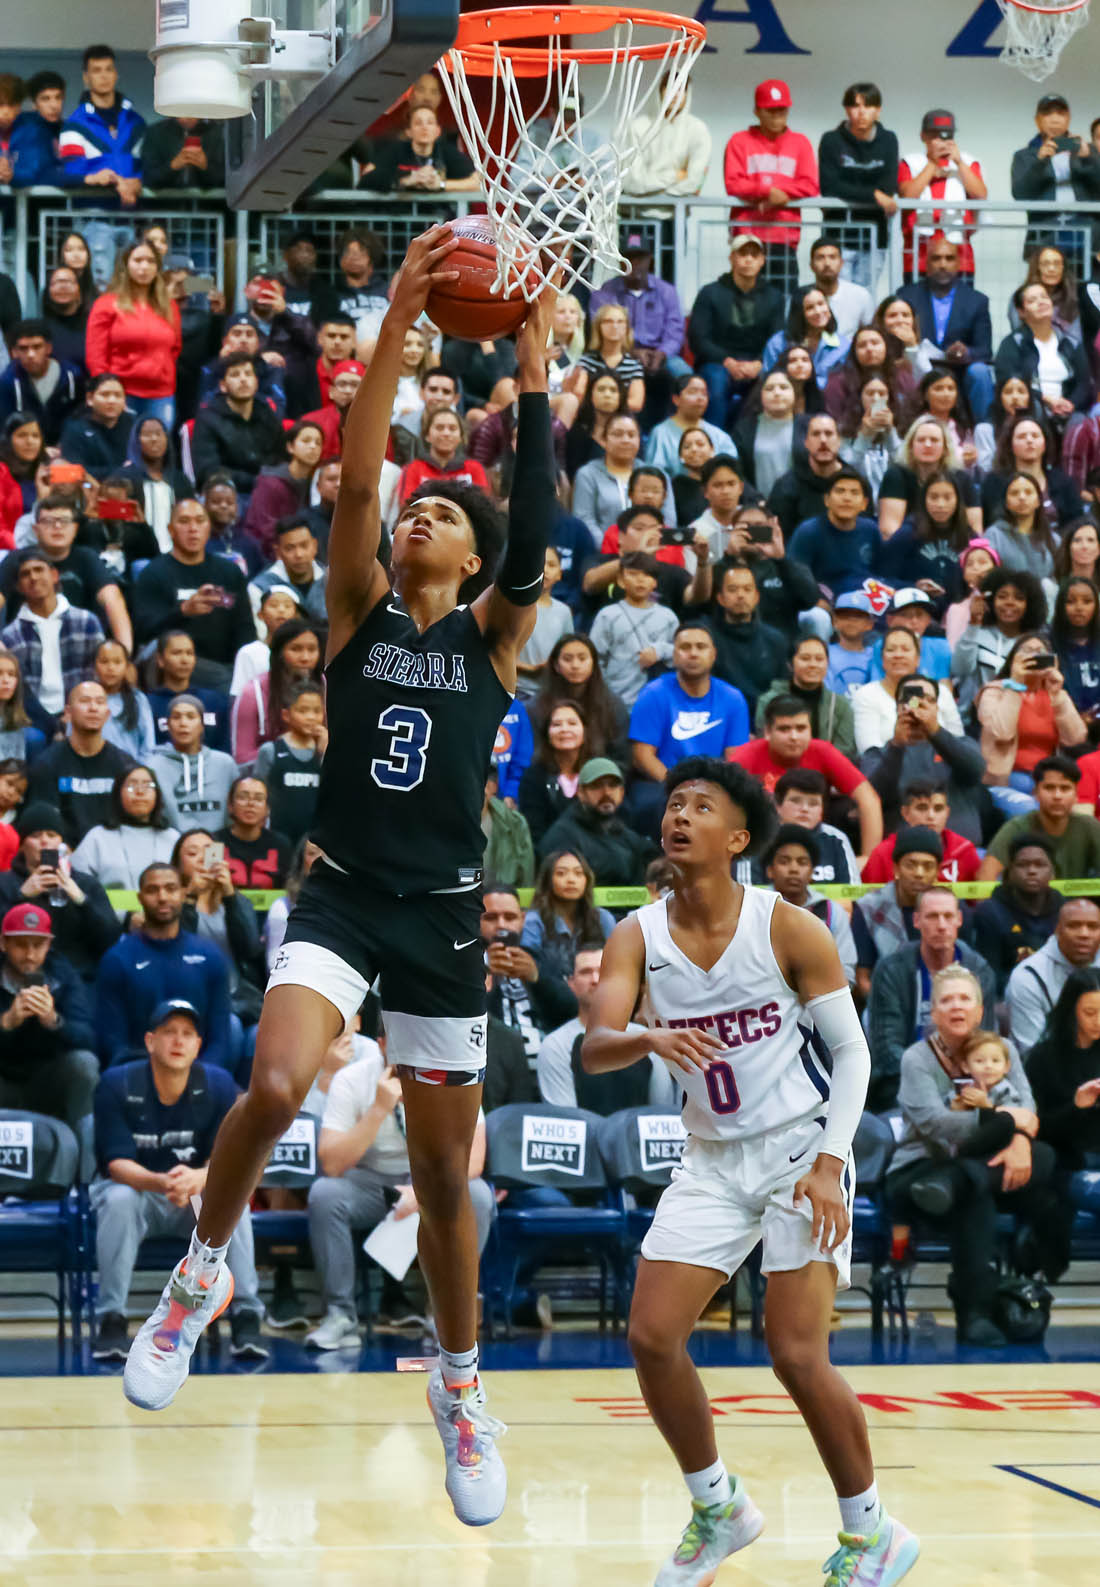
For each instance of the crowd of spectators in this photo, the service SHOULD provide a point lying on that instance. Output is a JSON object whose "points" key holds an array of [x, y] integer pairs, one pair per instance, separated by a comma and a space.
{"points": [[850, 545]]}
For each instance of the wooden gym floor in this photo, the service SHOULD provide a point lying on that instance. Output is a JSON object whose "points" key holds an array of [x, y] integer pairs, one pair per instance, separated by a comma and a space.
{"points": [[336, 1479]]}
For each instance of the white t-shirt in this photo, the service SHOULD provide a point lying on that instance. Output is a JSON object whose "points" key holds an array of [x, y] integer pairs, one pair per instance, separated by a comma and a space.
{"points": [[852, 307], [1052, 367], [351, 1092]]}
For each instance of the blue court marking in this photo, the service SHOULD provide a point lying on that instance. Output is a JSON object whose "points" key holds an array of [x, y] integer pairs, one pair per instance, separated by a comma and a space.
{"points": [[1055, 1487]]}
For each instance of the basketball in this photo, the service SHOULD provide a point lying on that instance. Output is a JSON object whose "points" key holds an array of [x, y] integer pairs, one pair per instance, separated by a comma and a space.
{"points": [[467, 308]]}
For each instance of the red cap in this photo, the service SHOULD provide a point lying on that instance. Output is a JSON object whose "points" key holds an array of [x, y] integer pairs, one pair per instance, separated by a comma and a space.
{"points": [[26, 920], [348, 366], [773, 95]]}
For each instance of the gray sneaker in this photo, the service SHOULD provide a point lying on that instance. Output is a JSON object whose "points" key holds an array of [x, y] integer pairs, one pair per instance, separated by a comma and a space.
{"points": [[336, 1331]]}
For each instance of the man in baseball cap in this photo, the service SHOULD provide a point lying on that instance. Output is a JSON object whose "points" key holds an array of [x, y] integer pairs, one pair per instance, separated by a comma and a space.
{"points": [[46, 1060], [155, 1122], [173, 1008], [939, 171], [767, 166], [655, 316], [592, 826], [1056, 166]]}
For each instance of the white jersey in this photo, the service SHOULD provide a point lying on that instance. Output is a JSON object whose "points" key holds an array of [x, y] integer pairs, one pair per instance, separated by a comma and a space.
{"points": [[768, 1077]]}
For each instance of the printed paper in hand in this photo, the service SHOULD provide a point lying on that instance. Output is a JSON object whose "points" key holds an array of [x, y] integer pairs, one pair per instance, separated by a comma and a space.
{"points": [[392, 1243]]}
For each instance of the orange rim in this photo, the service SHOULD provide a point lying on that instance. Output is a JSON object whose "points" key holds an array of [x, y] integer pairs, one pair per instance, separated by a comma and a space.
{"points": [[481, 32], [1047, 11]]}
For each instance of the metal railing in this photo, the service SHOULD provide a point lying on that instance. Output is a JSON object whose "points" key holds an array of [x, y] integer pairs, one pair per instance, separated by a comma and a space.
{"points": [[690, 235]]}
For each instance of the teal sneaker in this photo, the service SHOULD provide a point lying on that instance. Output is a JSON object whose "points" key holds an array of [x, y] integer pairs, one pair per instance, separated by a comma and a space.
{"points": [[876, 1561], [714, 1532]]}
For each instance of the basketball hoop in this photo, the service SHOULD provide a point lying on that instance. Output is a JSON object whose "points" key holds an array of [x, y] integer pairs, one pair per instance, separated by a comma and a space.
{"points": [[550, 175], [1037, 34]]}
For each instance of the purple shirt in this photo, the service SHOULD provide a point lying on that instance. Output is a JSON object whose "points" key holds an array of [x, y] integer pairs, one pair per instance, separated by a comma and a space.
{"points": [[655, 315]]}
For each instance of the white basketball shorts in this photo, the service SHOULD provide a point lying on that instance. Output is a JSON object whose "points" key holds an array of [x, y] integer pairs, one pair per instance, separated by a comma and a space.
{"points": [[727, 1195]]}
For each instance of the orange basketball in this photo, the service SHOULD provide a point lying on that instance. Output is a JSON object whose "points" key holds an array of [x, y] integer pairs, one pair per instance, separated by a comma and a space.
{"points": [[466, 308]]}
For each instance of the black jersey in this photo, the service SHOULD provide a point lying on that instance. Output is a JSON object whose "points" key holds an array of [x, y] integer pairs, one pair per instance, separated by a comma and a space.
{"points": [[412, 722]]}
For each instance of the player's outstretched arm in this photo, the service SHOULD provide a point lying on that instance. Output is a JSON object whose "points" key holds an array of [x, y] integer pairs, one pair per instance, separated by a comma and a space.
{"points": [[356, 581], [607, 1045], [506, 611]]}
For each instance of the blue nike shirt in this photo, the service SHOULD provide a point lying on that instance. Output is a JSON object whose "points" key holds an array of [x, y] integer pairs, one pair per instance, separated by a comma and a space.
{"points": [[678, 724]]}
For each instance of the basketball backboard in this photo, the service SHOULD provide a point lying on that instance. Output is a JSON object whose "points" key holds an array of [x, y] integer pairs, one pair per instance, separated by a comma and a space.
{"points": [[369, 53]]}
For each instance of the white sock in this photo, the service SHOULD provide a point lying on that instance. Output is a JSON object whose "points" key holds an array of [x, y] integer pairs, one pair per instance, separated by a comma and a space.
{"points": [[711, 1486], [204, 1258], [459, 1368], [859, 1515]]}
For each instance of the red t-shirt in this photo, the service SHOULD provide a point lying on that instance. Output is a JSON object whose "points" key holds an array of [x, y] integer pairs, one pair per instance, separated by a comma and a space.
{"points": [[960, 860], [756, 757], [1088, 789]]}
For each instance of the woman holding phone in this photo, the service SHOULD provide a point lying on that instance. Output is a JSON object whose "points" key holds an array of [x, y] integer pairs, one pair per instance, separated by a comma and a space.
{"points": [[1025, 714]]}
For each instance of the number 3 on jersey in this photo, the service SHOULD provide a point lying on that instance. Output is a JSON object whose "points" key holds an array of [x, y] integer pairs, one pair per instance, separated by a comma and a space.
{"points": [[722, 1088], [410, 729]]}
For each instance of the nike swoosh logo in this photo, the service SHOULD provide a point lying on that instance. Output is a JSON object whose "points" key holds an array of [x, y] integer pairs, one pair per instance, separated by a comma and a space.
{"points": [[797, 1155], [717, 1480], [680, 732], [143, 964], [658, 967], [460, 945]]}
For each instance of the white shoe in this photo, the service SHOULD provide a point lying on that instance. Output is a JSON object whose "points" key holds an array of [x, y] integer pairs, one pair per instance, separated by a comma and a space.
{"points": [[160, 1355], [477, 1482], [335, 1331], [714, 1532]]}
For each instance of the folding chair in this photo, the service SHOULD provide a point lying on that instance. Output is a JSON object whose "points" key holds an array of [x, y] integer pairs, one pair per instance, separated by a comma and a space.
{"points": [[534, 1145], [41, 1226]]}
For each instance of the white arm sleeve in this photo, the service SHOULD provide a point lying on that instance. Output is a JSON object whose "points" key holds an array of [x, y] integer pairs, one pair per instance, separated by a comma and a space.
{"points": [[835, 1016]]}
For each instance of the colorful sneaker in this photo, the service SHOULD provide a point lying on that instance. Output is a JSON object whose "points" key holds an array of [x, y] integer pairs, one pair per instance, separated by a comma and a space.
{"points": [[477, 1482], [876, 1561], [714, 1532], [161, 1353]]}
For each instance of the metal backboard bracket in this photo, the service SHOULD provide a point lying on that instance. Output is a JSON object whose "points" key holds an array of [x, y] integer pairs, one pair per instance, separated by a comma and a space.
{"points": [[270, 172]]}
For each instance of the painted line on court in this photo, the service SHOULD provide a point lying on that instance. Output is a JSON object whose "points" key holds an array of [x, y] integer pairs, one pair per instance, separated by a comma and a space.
{"points": [[1055, 1487]]}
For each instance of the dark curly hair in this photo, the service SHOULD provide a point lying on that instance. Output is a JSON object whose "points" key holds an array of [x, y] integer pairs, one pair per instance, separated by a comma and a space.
{"points": [[1035, 601], [740, 786]]}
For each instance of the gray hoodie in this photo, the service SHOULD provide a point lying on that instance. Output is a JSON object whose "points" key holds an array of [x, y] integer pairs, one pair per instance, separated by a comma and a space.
{"points": [[195, 787]]}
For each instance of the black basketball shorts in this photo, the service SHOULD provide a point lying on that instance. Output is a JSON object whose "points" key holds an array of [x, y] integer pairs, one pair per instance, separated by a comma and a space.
{"points": [[425, 950]]}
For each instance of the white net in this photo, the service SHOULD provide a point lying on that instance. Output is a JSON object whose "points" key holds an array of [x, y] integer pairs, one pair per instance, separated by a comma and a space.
{"points": [[1038, 35], [549, 176]]}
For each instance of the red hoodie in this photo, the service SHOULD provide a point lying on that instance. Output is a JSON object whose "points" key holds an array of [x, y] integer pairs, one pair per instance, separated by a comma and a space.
{"points": [[754, 165], [960, 860]]}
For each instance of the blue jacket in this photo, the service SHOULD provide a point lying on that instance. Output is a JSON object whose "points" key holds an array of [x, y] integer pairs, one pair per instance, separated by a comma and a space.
{"points": [[139, 972], [34, 152], [968, 321], [18, 395], [88, 144]]}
